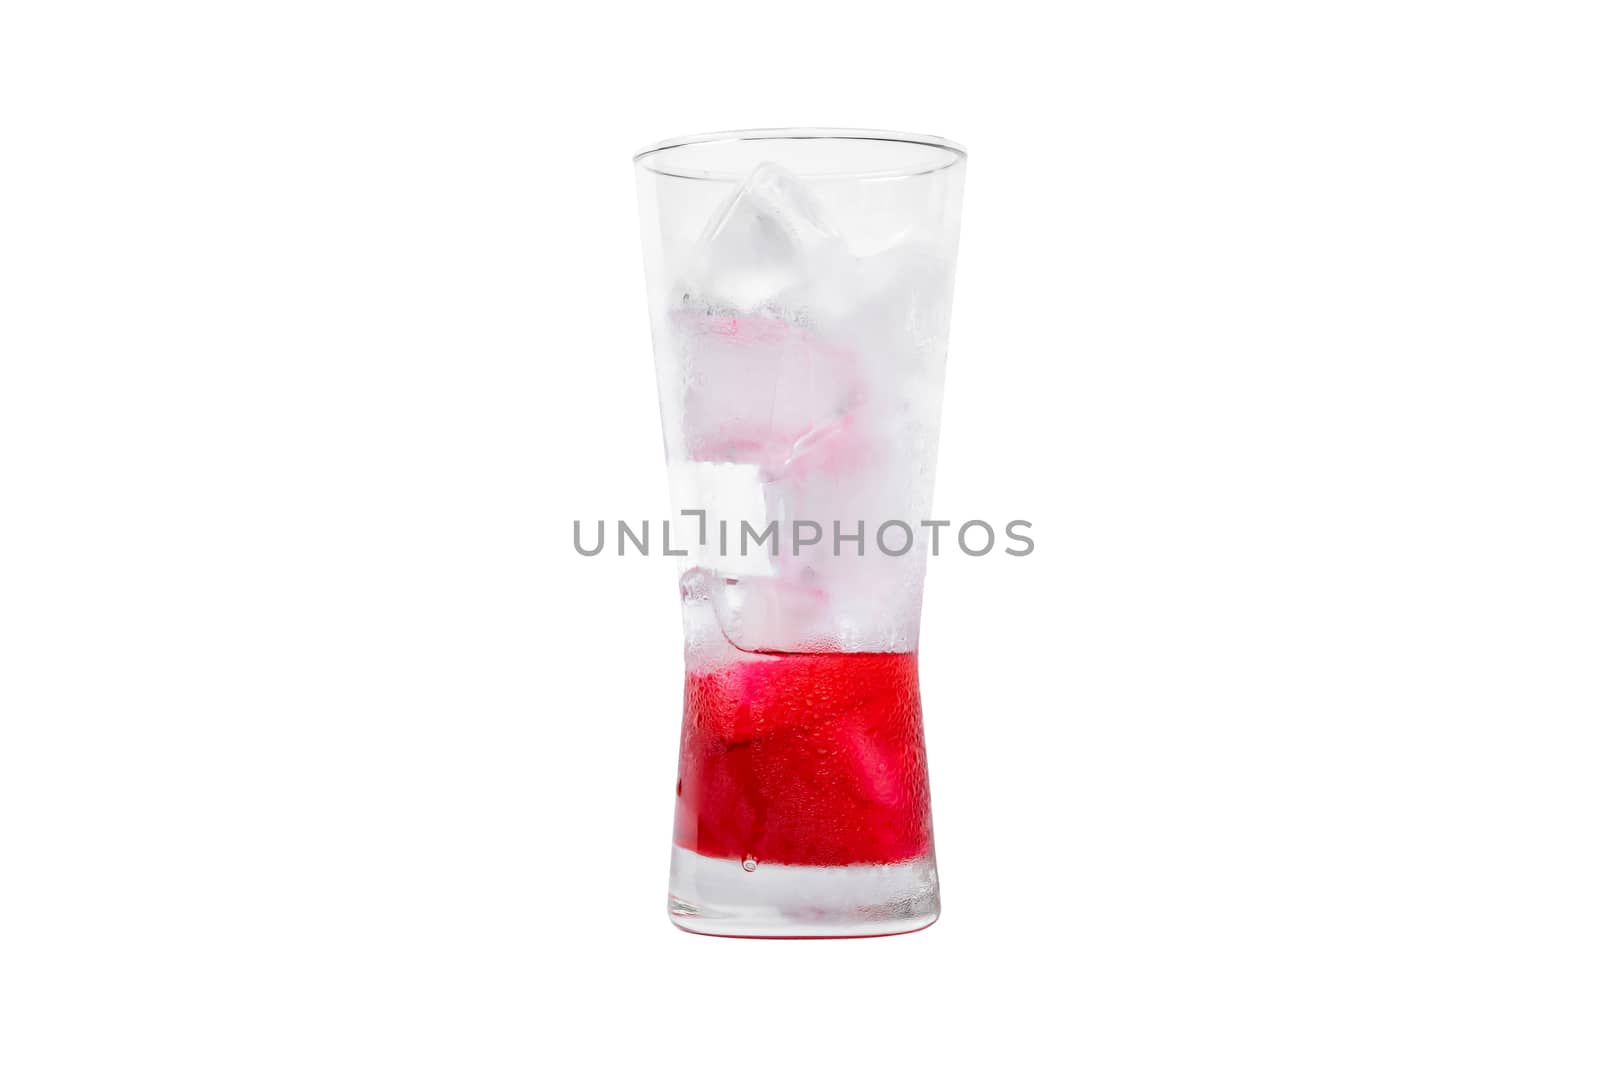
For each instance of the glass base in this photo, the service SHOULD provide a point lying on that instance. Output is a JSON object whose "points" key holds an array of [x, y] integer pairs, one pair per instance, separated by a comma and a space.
{"points": [[725, 898]]}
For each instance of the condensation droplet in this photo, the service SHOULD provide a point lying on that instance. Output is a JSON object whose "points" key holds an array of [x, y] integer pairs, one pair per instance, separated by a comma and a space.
{"points": [[749, 863]]}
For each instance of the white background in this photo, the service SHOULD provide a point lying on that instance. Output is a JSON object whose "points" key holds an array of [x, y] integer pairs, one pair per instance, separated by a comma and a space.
{"points": [[321, 322]]}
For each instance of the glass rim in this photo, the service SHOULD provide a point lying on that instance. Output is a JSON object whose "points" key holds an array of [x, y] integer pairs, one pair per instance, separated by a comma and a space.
{"points": [[954, 151]]}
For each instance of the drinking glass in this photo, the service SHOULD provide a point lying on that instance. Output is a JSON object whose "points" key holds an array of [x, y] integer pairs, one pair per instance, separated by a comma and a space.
{"points": [[799, 286]]}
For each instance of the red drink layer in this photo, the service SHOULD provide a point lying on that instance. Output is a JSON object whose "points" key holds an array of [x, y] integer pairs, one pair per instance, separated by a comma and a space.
{"points": [[806, 758]]}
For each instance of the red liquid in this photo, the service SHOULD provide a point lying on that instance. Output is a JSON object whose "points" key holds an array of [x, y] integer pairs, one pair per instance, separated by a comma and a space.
{"points": [[805, 758]]}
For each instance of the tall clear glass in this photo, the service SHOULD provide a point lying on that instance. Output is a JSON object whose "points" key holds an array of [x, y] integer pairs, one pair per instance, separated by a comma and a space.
{"points": [[799, 286]]}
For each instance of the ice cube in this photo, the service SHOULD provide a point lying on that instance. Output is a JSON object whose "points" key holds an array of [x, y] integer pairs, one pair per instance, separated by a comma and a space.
{"points": [[728, 617], [765, 244], [758, 374], [757, 614], [755, 386], [900, 309]]}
